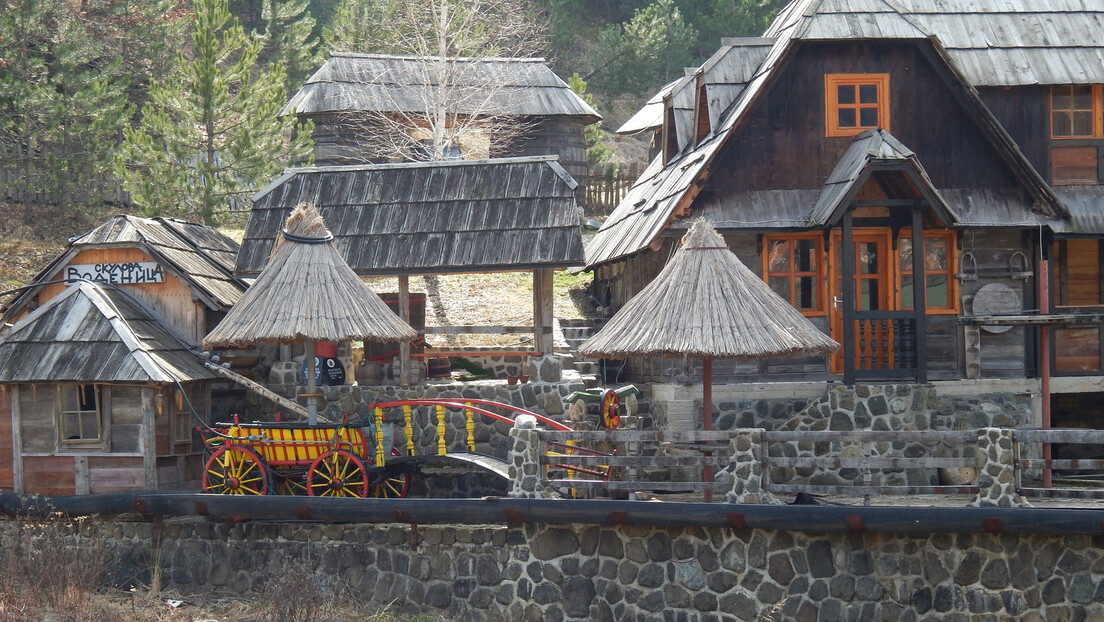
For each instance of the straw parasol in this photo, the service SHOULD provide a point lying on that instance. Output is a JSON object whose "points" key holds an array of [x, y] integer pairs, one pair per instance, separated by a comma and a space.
{"points": [[706, 303], [307, 292]]}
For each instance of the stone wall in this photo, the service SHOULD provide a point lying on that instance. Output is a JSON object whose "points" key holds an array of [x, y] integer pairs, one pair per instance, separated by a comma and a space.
{"points": [[544, 572], [868, 407]]}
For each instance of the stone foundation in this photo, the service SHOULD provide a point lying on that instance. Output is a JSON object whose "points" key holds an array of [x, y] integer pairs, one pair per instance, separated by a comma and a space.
{"points": [[539, 572]]}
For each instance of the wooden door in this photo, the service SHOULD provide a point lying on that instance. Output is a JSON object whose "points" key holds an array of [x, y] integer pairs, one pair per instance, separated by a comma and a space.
{"points": [[872, 258]]}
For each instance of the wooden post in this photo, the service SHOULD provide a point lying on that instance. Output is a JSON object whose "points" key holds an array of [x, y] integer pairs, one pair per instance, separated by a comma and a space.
{"points": [[312, 385], [17, 440], [707, 420], [1044, 362], [919, 293], [542, 311], [148, 441], [404, 313]]}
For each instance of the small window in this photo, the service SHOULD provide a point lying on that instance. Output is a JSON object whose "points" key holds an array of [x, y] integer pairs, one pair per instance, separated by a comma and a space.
{"points": [[794, 269], [80, 414], [856, 102], [939, 272], [1075, 111]]}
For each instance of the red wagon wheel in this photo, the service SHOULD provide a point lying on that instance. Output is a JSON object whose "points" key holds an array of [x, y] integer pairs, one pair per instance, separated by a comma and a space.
{"points": [[337, 473], [235, 470], [394, 486]]}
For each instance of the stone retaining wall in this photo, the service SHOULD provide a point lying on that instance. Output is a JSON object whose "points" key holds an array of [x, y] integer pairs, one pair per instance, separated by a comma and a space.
{"points": [[871, 407], [542, 572]]}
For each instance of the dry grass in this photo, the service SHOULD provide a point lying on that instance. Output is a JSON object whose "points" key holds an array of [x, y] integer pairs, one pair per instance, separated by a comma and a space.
{"points": [[57, 571]]}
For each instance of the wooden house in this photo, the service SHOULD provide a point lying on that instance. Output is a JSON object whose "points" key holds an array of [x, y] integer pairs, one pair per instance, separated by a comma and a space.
{"points": [[350, 90], [852, 133], [100, 387]]}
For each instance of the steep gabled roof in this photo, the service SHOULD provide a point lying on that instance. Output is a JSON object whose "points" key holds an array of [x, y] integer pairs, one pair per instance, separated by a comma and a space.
{"points": [[386, 83], [872, 153], [94, 332], [198, 255], [725, 74], [665, 191], [429, 217]]}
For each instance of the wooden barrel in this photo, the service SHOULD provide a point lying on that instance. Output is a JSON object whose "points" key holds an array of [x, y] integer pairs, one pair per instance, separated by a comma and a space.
{"points": [[369, 373], [439, 367]]}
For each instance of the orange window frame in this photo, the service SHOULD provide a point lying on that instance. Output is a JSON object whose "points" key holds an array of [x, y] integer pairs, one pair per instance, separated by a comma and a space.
{"points": [[818, 273], [949, 272], [832, 104], [1096, 108]]}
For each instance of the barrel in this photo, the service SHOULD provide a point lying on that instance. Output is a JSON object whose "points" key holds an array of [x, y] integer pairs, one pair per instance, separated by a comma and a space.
{"points": [[439, 367]]}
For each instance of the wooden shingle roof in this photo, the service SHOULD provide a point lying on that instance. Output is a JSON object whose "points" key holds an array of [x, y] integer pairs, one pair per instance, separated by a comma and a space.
{"points": [[198, 255], [387, 83], [666, 190], [94, 332], [429, 217]]}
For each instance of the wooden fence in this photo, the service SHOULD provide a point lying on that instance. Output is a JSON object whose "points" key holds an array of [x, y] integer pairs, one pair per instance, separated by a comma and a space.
{"points": [[606, 185], [646, 452]]}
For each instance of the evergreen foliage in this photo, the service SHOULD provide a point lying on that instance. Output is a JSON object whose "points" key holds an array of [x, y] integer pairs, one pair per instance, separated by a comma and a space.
{"points": [[289, 39], [593, 135], [61, 101], [210, 134]]}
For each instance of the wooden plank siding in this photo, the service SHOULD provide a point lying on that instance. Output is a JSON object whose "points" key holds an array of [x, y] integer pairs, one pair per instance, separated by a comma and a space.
{"points": [[50, 475], [7, 456], [114, 473], [172, 301], [790, 123]]}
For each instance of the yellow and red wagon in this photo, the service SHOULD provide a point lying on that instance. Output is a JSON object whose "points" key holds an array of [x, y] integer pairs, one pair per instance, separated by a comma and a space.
{"points": [[294, 458]]}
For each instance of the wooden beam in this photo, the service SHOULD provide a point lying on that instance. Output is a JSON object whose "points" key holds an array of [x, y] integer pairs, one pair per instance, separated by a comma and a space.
{"points": [[148, 444], [17, 440], [542, 310], [260, 390], [404, 313], [484, 330]]}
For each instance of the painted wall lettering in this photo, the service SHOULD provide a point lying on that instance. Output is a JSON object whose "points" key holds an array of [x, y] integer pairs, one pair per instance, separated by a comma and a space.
{"points": [[118, 273]]}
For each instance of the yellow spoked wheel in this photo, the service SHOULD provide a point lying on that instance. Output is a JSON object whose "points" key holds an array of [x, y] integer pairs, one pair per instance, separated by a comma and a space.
{"points": [[392, 487], [611, 404], [337, 473], [235, 470]]}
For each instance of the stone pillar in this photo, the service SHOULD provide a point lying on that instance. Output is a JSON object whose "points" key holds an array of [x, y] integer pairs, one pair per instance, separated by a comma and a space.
{"points": [[524, 461], [996, 471], [746, 469]]}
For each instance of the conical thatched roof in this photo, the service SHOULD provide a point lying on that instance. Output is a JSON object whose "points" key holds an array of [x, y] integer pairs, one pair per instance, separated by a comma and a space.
{"points": [[707, 304], [307, 291]]}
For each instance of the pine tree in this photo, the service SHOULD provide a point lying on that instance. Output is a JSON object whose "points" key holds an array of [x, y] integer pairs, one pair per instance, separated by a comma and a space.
{"points": [[211, 134], [289, 39], [61, 102]]}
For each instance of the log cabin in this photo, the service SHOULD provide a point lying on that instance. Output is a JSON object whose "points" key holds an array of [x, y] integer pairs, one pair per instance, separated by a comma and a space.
{"points": [[100, 386], [350, 95], [852, 133]]}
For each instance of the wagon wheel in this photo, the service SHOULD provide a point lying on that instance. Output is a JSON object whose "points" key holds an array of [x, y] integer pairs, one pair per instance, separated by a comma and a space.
{"points": [[293, 484], [235, 470], [610, 405], [392, 486], [337, 474]]}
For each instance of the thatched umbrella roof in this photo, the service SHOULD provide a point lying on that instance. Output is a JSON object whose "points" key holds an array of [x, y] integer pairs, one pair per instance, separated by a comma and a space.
{"points": [[707, 304], [307, 292]]}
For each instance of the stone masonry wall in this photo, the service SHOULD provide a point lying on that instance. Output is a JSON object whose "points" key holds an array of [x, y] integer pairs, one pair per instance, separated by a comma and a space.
{"points": [[631, 573], [874, 407]]}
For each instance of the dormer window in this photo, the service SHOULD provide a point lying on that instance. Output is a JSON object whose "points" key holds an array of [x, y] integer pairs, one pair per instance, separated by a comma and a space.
{"points": [[855, 102]]}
